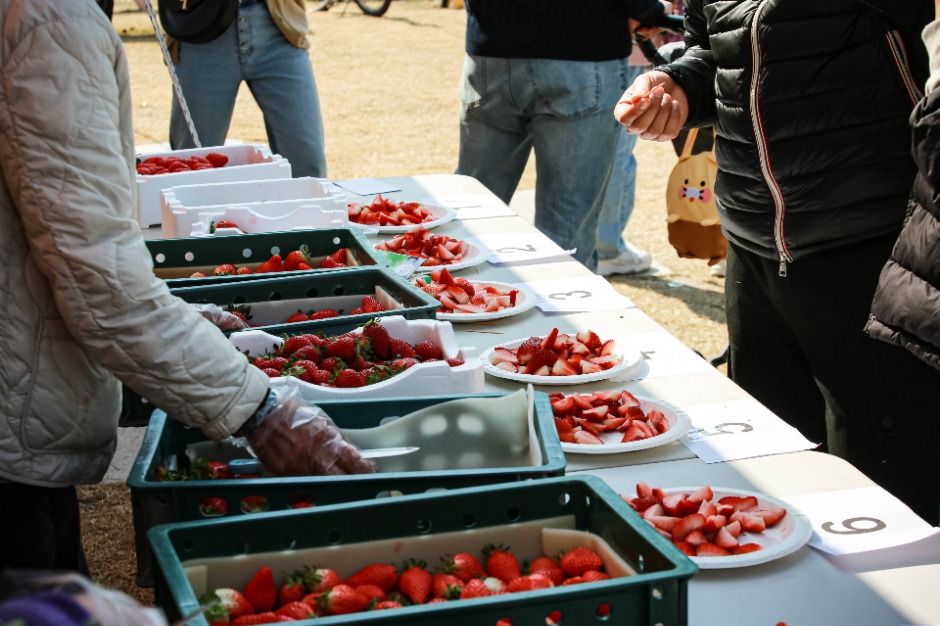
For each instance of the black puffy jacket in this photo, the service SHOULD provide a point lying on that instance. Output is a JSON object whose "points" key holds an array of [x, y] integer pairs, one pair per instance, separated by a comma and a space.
{"points": [[906, 308], [810, 101]]}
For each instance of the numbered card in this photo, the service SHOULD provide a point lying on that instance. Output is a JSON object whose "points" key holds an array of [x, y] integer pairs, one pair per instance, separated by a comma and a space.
{"points": [[740, 429], [860, 520], [663, 355], [472, 207], [521, 247], [572, 295], [366, 186]]}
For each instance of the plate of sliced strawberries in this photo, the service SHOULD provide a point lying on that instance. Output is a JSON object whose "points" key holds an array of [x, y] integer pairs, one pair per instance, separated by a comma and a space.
{"points": [[558, 359], [723, 528], [438, 251], [389, 216], [612, 422], [474, 301]]}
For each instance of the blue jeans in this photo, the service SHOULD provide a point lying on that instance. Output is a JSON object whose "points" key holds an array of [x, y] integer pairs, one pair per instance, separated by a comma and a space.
{"points": [[279, 76], [621, 191], [561, 109]]}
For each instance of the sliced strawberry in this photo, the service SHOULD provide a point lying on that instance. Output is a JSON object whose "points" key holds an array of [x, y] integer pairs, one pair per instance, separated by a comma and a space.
{"points": [[714, 522], [654, 511], [696, 538], [561, 367], [658, 421], [503, 355], [686, 524], [686, 548], [740, 503], [596, 414], [509, 367], [590, 368], [549, 340], [641, 504], [701, 494], [734, 528], [563, 406], [585, 437], [748, 547], [751, 523], [725, 539], [663, 522], [708, 509], [710, 549], [771, 514]]}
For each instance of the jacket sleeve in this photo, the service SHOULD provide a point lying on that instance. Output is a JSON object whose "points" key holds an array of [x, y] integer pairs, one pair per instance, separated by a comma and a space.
{"points": [[645, 11], [66, 150], [695, 70]]}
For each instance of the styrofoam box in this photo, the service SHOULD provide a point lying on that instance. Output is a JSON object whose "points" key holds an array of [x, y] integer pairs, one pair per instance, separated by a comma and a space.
{"points": [[256, 206], [416, 381], [246, 162]]}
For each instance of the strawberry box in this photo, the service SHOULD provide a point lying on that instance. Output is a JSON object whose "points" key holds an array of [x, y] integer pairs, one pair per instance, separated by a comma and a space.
{"points": [[166, 442], [648, 581], [255, 206], [243, 163], [176, 260], [272, 302]]}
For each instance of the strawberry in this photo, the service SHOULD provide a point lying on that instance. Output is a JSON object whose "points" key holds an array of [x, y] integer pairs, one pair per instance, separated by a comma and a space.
{"points": [[244, 269], [429, 351], [299, 316], [346, 348], [293, 589], [371, 305], [296, 610], [216, 159], [222, 224], [386, 604], [463, 565], [379, 339], [216, 615], [332, 364], [213, 506], [710, 549], [744, 548], [321, 578], [686, 525], [327, 264], [382, 575], [415, 581], [323, 314], [293, 260], [578, 560], [455, 361], [197, 275], [528, 348], [446, 586], [267, 617], [372, 593], [339, 256], [308, 353], [350, 378], [401, 349], [273, 264], [234, 603], [500, 563], [226, 269], [466, 285], [270, 372], [475, 588], [266, 362], [530, 583], [261, 591], [399, 365]]}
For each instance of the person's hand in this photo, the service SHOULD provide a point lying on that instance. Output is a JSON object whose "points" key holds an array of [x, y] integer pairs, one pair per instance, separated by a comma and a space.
{"points": [[654, 107], [298, 440], [223, 319]]}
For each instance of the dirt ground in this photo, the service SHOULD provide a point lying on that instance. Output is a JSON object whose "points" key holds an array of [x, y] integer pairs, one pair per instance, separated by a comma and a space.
{"points": [[388, 90]]}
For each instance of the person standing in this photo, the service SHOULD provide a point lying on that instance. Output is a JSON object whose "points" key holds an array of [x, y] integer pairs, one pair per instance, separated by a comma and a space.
{"points": [[545, 76], [810, 103], [265, 46]]}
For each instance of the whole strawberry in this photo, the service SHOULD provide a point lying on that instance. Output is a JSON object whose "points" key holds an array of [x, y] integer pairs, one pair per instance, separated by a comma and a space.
{"points": [[371, 305], [463, 565], [260, 591], [379, 339], [296, 610], [386, 604], [577, 561], [233, 601], [382, 575], [267, 617], [446, 586], [429, 351], [481, 588], [299, 316], [500, 563], [350, 378], [529, 583], [293, 589], [401, 349], [415, 581], [345, 348], [372, 593], [342, 599], [321, 578]]}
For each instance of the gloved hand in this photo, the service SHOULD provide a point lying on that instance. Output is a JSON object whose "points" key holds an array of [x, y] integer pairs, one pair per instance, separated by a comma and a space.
{"points": [[294, 439], [220, 317]]}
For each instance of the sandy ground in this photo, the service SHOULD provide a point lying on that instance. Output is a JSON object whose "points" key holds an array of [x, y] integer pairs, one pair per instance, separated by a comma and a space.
{"points": [[388, 90]]}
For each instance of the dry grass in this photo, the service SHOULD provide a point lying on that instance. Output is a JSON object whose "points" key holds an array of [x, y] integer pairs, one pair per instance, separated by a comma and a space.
{"points": [[388, 88]]}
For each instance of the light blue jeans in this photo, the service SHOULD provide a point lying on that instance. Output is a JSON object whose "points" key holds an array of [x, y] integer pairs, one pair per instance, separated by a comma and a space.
{"points": [[621, 191], [561, 109], [279, 76]]}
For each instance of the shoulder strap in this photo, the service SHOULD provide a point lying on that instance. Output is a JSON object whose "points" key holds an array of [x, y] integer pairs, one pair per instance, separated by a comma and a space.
{"points": [[689, 143]]}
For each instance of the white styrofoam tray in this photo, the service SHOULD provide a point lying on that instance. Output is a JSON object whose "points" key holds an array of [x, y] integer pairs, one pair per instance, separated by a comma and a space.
{"points": [[419, 380], [246, 162], [256, 206]]}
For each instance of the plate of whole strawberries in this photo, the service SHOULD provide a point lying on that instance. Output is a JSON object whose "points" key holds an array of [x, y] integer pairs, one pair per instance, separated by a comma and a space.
{"points": [[474, 301], [389, 216], [559, 359], [722, 528], [612, 422], [438, 251]]}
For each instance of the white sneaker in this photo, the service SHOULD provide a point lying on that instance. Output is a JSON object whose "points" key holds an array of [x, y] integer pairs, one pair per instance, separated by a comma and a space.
{"points": [[630, 261], [718, 269]]}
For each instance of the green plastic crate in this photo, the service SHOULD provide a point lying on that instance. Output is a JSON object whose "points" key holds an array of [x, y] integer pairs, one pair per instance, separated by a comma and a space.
{"points": [[175, 259], [229, 547], [313, 291], [155, 502]]}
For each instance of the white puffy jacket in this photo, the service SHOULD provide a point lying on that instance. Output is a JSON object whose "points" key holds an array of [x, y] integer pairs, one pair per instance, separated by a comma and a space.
{"points": [[80, 307]]}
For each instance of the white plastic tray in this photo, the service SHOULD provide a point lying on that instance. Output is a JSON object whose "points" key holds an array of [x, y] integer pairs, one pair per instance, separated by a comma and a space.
{"points": [[441, 216], [433, 377], [679, 424], [525, 300], [246, 163], [628, 359]]}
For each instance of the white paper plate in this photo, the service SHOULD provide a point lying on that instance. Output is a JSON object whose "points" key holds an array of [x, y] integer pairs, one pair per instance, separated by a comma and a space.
{"points": [[679, 424], [474, 256], [525, 300], [441, 215], [789, 535], [628, 359]]}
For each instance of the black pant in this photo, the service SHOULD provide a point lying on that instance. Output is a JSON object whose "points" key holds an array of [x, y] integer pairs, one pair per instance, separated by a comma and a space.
{"points": [[39, 528], [797, 346]]}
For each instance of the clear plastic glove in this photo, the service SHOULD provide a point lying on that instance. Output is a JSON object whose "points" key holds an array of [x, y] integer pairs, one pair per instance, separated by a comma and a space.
{"points": [[220, 317], [654, 107], [294, 439]]}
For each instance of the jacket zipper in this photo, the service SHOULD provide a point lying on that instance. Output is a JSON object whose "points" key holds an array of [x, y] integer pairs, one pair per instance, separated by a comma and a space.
{"points": [[779, 204], [899, 56]]}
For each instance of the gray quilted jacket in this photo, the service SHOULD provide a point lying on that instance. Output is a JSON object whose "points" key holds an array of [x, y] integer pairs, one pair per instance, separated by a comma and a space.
{"points": [[80, 308]]}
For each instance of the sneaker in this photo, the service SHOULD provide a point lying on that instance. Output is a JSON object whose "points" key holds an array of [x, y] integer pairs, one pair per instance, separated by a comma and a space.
{"points": [[630, 261], [718, 269]]}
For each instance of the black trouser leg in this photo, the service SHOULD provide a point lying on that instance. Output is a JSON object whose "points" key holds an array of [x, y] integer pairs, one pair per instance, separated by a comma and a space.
{"points": [[40, 528]]}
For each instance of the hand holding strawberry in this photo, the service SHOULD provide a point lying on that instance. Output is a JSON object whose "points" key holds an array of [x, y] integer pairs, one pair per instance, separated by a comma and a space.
{"points": [[223, 319]]}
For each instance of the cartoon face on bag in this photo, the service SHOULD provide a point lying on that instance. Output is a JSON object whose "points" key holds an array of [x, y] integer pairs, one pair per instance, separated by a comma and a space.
{"points": [[701, 193]]}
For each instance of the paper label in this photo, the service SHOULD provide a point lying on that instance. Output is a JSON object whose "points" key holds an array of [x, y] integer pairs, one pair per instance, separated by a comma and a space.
{"points": [[521, 247], [578, 294], [366, 186], [472, 207]]}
